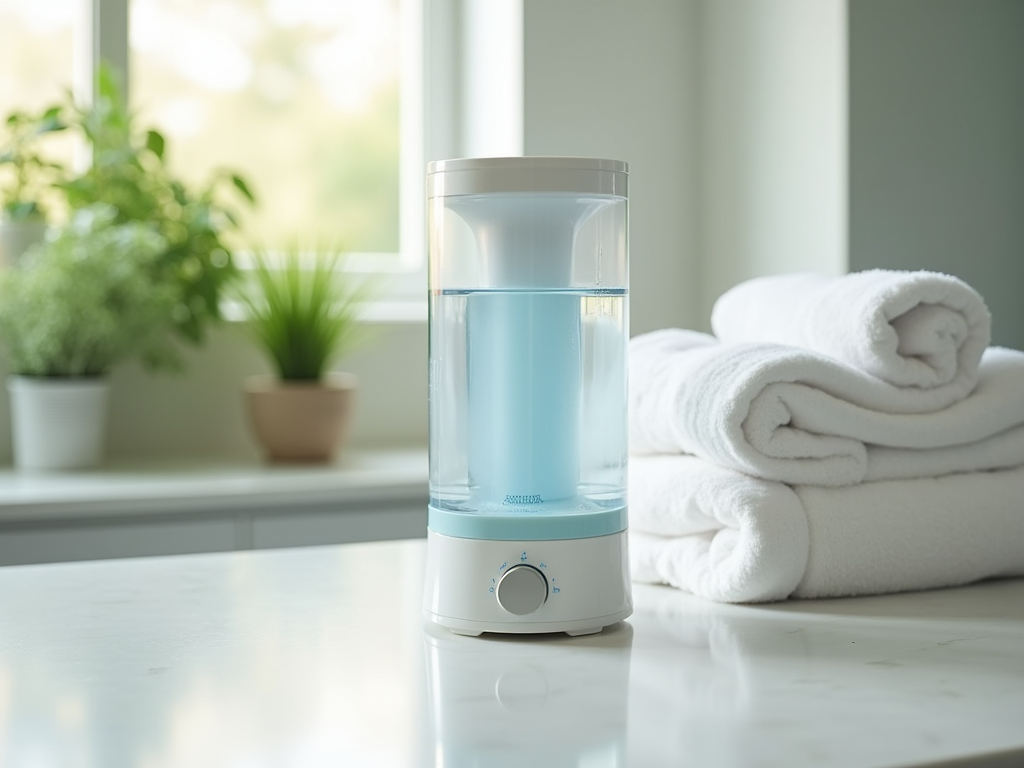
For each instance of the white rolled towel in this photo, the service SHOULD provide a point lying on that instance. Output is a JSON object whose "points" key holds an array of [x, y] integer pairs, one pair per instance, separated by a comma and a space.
{"points": [[912, 329], [732, 538], [795, 416]]}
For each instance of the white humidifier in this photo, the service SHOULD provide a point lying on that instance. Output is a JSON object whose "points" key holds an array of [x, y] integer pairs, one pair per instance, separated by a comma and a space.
{"points": [[528, 331]]}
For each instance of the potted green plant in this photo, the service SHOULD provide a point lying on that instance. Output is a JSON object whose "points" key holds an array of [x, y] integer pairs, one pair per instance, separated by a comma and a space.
{"points": [[91, 295], [26, 176], [302, 313]]}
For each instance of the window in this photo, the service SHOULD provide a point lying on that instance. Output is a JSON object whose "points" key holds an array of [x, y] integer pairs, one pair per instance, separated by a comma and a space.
{"points": [[302, 96], [41, 45], [37, 41], [316, 102]]}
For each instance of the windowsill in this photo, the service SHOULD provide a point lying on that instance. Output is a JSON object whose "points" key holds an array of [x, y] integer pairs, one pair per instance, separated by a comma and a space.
{"points": [[193, 486]]}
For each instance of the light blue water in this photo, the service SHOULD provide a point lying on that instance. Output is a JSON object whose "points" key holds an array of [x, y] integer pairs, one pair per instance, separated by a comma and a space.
{"points": [[528, 400]]}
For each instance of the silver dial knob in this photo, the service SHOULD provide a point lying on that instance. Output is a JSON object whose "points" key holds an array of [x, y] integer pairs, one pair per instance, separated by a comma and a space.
{"points": [[522, 590]]}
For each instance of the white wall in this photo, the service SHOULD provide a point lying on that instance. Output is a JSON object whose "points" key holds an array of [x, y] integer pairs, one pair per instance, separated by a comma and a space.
{"points": [[611, 78], [771, 110], [491, 78]]}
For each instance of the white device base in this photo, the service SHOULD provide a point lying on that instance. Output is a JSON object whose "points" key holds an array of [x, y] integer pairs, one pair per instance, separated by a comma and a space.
{"points": [[586, 581]]}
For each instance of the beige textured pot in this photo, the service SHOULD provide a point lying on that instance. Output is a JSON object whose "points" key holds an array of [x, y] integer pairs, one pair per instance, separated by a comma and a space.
{"points": [[298, 421]]}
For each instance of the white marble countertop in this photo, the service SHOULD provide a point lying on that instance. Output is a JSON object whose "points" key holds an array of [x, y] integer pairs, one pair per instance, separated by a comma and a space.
{"points": [[318, 657]]}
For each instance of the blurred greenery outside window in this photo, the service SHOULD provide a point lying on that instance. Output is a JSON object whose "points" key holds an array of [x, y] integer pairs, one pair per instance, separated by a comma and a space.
{"points": [[39, 43], [302, 97]]}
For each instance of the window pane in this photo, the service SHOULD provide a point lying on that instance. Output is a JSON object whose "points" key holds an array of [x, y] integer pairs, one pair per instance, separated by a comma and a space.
{"points": [[38, 53], [300, 96], [36, 41]]}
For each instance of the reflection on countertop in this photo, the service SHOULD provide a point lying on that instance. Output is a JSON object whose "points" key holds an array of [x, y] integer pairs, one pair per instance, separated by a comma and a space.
{"points": [[507, 700]]}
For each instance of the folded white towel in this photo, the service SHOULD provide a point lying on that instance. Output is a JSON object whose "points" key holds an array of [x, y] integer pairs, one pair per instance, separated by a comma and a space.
{"points": [[799, 417], [732, 538], [912, 329]]}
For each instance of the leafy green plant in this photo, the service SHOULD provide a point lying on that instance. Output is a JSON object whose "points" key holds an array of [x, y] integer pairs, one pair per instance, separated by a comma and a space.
{"points": [[303, 312], [27, 174], [129, 173], [91, 296]]}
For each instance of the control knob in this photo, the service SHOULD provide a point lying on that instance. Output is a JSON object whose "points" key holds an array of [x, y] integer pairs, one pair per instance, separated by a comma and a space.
{"points": [[522, 590]]}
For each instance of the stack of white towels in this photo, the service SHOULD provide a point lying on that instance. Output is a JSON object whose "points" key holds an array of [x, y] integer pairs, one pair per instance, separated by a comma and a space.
{"points": [[837, 436]]}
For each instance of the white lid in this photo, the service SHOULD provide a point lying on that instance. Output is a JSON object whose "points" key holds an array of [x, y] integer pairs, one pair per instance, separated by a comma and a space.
{"points": [[488, 175]]}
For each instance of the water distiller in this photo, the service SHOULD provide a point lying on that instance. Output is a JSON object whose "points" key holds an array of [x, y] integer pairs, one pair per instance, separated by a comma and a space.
{"points": [[529, 286]]}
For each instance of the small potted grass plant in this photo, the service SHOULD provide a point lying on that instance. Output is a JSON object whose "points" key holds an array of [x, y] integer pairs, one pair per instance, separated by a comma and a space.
{"points": [[89, 297], [302, 313]]}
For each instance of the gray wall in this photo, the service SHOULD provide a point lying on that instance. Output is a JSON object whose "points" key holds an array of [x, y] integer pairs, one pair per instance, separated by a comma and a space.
{"points": [[616, 79], [937, 144]]}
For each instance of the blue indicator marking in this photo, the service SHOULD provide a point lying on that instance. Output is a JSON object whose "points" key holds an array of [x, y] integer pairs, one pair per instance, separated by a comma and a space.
{"points": [[503, 566], [556, 590], [491, 589], [542, 565], [522, 556]]}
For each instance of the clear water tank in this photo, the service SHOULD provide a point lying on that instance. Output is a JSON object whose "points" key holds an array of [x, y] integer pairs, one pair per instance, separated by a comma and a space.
{"points": [[529, 308]]}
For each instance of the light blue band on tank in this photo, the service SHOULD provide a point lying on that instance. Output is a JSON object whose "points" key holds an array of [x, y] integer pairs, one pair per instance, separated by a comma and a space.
{"points": [[541, 526]]}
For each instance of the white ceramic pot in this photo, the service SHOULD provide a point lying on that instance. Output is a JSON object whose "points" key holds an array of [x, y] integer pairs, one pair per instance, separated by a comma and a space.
{"points": [[58, 423], [16, 237]]}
